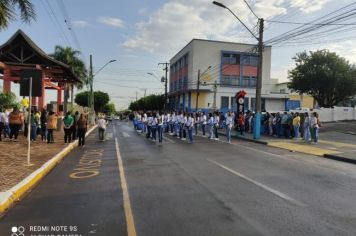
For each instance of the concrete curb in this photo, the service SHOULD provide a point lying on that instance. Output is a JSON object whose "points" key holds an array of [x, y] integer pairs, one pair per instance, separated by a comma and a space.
{"points": [[246, 139], [8, 198], [340, 158]]}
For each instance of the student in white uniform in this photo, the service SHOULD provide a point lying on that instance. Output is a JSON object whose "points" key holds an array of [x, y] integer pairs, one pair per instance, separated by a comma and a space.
{"points": [[203, 122], [160, 122], [229, 125], [190, 124], [211, 126], [154, 126], [185, 118], [216, 125], [144, 123], [149, 125]]}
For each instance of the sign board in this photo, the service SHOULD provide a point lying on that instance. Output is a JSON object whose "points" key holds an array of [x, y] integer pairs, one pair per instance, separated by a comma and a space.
{"points": [[36, 83]]}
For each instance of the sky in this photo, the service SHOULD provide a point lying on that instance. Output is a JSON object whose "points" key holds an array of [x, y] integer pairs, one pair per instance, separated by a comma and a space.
{"points": [[139, 34]]}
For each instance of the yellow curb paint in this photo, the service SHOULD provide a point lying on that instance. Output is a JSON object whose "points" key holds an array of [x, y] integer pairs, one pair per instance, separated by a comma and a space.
{"points": [[308, 149], [18, 193], [338, 144], [131, 231]]}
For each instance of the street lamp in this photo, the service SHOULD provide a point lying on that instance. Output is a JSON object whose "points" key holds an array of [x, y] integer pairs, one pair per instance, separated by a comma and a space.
{"points": [[91, 95], [257, 123]]}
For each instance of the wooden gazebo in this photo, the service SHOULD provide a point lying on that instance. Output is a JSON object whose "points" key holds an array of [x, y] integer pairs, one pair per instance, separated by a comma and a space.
{"points": [[20, 53]]}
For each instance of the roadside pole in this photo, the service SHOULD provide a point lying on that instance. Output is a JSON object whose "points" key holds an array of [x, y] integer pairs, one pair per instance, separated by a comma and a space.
{"points": [[198, 84], [215, 91], [29, 126]]}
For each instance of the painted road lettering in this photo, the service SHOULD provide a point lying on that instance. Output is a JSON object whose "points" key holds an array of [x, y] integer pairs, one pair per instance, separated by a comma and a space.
{"points": [[88, 165]]}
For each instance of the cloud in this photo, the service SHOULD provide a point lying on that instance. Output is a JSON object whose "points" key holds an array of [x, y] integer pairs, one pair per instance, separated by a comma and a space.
{"points": [[308, 6], [80, 23], [114, 22], [343, 49], [175, 23]]}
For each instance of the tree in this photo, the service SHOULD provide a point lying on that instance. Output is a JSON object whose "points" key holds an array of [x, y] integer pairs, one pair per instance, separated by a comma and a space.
{"points": [[330, 79], [100, 100], [8, 11], [70, 57], [8, 100], [151, 102], [109, 108]]}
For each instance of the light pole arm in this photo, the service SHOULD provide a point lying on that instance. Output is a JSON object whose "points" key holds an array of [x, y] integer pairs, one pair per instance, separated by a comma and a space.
{"points": [[107, 63]]}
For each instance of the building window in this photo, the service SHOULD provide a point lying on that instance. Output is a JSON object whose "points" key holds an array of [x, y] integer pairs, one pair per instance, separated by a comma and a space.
{"points": [[263, 104], [250, 60], [246, 103], [233, 104], [185, 83], [253, 82], [180, 84], [186, 59], [235, 80], [225, 80], [245, 81], [171, 86], [224, 102], [228, 58]]}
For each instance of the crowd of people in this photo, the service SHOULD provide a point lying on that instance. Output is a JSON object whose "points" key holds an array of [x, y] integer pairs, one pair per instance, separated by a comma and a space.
{"points": [[43, 124], [183, 124]]}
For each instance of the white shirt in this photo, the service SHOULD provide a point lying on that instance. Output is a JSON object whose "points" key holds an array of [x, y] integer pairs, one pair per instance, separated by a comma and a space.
{"points": [[211, 121], [229, 120], [314, 122], [102, 123], [154, 121], [150, 119], [190, 122], [204, 119]]}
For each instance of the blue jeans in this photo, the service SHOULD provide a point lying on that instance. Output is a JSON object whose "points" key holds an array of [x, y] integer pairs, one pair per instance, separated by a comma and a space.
{"points": [[160, 133], [7, 130], [306, 134], [148, 131], [296, 131], [316, 134], [190, 134], [203, 128], [228, 134], [154, 131], [211, 131], [33, 132]]}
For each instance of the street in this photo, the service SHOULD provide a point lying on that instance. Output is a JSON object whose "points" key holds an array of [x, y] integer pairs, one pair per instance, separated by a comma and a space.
{"points": [[205, 188]]}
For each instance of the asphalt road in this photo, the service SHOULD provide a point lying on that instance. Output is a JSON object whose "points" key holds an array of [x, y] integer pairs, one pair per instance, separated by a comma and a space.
{"points": [[205, 188]]}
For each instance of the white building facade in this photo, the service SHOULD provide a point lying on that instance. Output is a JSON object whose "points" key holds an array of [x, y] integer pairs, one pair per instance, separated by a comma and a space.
{"points": [[225, 69]]}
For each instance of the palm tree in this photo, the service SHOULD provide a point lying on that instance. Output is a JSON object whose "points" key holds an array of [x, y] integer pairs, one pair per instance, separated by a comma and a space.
{"points": [[70, 57], [8, 11]]}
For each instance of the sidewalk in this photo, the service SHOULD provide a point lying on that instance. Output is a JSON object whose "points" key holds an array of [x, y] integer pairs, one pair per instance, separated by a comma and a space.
{"points": [[334, 145]]}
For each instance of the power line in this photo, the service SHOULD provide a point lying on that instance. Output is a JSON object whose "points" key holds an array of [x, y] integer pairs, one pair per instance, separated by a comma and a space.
{"points": [[55, 21], [300, 23], [248, 5]]}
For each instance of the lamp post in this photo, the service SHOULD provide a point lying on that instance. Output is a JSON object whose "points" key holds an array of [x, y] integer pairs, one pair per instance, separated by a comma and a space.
{"points": [[198, 86], [91, 94], [257, 123]]}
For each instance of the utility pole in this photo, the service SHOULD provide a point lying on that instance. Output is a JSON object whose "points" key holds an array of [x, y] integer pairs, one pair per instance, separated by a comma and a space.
{"points": [[256, 130], [91, 94], [198, 83], [165, 84], [145, 93], [215, 90]]}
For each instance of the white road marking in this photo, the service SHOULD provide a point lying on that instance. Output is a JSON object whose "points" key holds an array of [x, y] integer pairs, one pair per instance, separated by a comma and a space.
{"points": [[271, 190], [126, 135], [131, 230]]}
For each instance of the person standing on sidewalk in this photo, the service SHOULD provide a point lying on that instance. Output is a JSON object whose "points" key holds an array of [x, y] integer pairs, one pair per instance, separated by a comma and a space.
{"points": [[15, 120], [25, 115], [51, 126], [82, 125], [7, 128], [154, 126], [211, 126], [68, 122], [314, 123], [306, 127], [229, 125], [75, 126], [102, 127], [2, 122], [296, 125], [43, 120], [241, 123]]}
